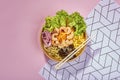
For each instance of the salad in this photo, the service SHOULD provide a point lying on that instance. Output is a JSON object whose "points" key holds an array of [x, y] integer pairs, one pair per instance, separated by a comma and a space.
{"points": [[62, 33]]}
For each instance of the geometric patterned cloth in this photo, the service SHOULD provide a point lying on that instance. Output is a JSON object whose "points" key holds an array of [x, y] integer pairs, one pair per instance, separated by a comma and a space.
{"points": [[101, 58]]}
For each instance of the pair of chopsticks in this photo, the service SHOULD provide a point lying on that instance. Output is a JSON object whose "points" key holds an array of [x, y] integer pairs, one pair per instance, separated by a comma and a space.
{"points": [[57, 66]]}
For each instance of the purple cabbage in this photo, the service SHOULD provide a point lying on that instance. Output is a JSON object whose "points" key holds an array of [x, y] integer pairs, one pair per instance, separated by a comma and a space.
{"points": [[46, 37]]}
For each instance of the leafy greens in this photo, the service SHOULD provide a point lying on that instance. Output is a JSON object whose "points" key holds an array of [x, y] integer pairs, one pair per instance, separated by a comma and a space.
{"points": [[62, 18]]}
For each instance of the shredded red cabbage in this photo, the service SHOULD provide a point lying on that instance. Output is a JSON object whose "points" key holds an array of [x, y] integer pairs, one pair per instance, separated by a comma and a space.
{"points": [[46, 37]]}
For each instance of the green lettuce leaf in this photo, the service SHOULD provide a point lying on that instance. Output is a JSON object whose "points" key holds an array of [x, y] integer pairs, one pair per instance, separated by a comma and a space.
{"points": [[56, 21], [62, 16], [77, 21]]}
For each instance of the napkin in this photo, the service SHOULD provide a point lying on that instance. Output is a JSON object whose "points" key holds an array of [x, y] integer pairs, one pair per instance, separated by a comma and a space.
{"points": [[101, 58]]}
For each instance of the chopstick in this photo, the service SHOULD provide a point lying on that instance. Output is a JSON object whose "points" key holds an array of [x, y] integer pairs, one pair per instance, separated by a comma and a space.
{"points": [[57, 66]]}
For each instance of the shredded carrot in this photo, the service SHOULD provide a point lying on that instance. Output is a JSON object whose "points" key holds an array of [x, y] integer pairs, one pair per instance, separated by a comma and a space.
{"points": [[61, 37]]}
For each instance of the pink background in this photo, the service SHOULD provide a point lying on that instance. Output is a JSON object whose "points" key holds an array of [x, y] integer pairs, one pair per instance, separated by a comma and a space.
{"points": [[20, 21]]}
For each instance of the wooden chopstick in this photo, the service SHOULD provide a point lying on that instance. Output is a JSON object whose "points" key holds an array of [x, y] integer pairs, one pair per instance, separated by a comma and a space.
{"points": [[72, 53], [69, 56]]}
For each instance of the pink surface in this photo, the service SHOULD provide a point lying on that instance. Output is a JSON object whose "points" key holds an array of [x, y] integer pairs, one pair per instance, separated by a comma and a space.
{"points": [[20, 21], [118, 1]]}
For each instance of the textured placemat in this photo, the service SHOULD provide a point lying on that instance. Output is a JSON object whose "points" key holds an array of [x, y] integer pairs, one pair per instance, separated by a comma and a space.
{"points": [[101, 58]]}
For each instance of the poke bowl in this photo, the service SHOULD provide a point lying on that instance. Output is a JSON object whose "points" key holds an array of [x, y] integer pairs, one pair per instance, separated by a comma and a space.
{"points": [[61, 34]]}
